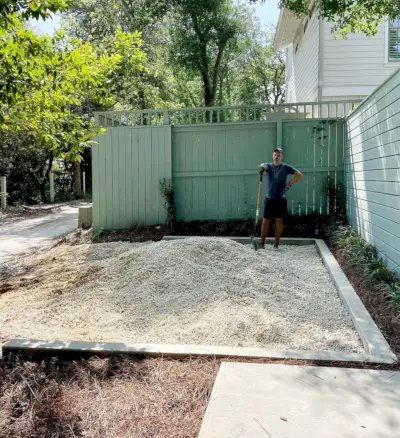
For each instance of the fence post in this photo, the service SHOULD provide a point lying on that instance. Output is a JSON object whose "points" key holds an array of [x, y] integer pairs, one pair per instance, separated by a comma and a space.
{"points": [[279, 130], [3, 193], [166, 118], [84, 182], [52, 193]]}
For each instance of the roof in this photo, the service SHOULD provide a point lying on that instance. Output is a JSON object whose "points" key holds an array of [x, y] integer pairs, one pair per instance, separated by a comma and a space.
{"points": [[286, 29]]}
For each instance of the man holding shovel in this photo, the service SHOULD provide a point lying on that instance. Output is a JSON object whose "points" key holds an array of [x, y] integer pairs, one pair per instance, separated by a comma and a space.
{"points": [[275, 201]]}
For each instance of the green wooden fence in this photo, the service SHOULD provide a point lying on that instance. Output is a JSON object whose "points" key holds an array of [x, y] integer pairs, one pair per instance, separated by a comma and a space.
{"points": [[213, 169], [127, 166]]}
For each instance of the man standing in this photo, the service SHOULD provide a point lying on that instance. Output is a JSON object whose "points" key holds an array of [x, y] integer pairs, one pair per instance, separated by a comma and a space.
{"points": [[275, 201]]}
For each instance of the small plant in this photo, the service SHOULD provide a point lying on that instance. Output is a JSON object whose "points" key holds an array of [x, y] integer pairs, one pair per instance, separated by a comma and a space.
{"points": [[98, 233], [168, 194], [364, 257], [136, 227]]}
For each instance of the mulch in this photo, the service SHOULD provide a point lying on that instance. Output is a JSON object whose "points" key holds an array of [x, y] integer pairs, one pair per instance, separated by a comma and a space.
{"points": [[386, 317]]}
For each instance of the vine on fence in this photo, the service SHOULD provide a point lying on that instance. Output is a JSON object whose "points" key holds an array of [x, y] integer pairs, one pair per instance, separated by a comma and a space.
{"points": [[167, 193]]}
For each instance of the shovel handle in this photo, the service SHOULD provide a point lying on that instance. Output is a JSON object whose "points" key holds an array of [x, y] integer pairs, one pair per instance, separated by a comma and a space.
{"points": [[259, 198]]}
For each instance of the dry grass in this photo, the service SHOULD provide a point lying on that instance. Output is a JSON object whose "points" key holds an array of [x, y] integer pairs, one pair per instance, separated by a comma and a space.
{"points": [[107, 398], [117, 397]]}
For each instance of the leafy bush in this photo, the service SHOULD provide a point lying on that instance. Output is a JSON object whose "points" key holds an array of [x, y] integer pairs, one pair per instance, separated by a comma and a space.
{"points": [[364, 257]]}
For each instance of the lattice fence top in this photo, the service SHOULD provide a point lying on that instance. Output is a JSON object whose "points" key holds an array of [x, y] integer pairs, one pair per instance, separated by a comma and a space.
{"points": [[227, 114]]}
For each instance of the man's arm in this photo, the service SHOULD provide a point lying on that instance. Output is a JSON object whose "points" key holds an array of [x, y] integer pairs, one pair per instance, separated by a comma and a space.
{"points": [[297, 177]]}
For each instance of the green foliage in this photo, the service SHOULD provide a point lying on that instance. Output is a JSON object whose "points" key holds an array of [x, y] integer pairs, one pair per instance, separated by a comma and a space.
{"points": [[97, 22], [167, 193], [23, 165], [202, 32], [217, 60], [255, 74], [363, 256], [40, 82], [348, 16], [44, 80], [49, 87], [30, 9]]}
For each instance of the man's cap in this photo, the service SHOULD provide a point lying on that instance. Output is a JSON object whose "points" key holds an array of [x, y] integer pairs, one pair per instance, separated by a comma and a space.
{"points": [[279, 150]]}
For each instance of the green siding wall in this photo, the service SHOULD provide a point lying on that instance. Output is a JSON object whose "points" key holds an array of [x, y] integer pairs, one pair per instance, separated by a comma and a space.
{"points": [[372, 159]]}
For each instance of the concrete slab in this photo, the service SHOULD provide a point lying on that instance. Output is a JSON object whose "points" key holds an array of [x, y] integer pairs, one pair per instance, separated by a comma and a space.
{"points": [[259, 401]]}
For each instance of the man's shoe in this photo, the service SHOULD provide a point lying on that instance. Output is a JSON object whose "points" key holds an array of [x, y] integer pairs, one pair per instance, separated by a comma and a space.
{"points": [[276, 247]]}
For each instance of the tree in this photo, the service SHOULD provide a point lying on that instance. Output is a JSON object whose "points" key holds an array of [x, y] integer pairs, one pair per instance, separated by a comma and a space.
{"points": [[40, 82], [348, 16], [254, 73], [27, 9], [201, 33], [43, 82], [196, 54], [96, 21], [262, 79], [24, 165]]}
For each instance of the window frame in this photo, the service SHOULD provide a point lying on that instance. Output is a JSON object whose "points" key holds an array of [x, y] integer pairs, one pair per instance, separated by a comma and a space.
{"points": [[387, 61]]}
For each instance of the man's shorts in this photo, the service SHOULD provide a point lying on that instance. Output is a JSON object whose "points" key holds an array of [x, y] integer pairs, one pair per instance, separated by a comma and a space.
{"points": [[275, 208]]}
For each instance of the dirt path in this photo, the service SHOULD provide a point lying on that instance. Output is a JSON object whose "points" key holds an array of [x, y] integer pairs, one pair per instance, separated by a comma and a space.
{"points": [[23, 236]]}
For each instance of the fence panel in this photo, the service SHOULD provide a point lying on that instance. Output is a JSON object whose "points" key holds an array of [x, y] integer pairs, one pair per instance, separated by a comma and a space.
{"points": [[316, 149], [128, 165], [215, 167]]}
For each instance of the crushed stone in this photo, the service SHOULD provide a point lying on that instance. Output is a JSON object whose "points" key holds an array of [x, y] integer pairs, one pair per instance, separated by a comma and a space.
{"points": [[203, 291]]}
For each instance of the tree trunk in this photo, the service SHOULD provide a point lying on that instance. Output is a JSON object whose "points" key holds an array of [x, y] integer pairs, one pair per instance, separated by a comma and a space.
{"points": [[42, 189], [42, 185], [77, 180]]}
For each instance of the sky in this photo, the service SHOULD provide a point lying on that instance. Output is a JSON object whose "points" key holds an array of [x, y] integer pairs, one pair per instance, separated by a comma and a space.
{"points": [[268, 13]]}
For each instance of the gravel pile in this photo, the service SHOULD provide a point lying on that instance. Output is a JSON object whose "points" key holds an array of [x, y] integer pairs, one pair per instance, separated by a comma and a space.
{"points": [[207, 291]]}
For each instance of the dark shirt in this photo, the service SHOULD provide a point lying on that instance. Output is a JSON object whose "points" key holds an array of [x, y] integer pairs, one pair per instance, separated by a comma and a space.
{"points": [[277, 176]]}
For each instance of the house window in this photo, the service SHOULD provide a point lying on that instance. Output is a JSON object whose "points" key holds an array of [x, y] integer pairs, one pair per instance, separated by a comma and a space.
{"points": [[394, 40]]}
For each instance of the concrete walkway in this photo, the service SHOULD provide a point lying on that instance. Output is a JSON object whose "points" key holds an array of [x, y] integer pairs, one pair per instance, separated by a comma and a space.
{"points": [[23, 236], [271, 401]]}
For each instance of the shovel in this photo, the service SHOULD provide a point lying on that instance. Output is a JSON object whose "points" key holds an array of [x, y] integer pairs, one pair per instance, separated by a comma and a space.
{"points": [[253, 237]]}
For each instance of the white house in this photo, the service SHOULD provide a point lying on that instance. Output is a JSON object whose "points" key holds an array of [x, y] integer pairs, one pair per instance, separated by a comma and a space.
{"points": [[322, 68]]}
